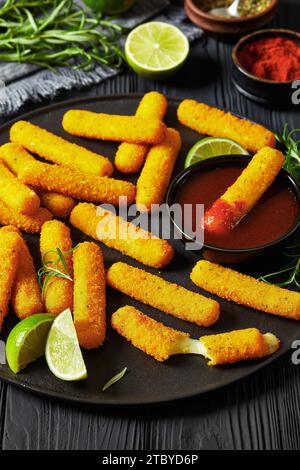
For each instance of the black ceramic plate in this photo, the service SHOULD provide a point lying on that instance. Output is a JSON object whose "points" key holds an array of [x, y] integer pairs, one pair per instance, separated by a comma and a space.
{"points": [[147, 380]]}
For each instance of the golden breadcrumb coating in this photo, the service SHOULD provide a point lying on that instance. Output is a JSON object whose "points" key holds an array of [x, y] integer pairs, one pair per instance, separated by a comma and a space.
{"points": [[217, 123], [235, 346], [155, 177], [123, 236], [58, 295], [76, 184], [58, 150], [89, 295], [245, 192], [131, 157], [26, 293], [246, 290], [147, 334], [15, 157], [131, 129], [163, 295], [58, 204], [15, 194], [26, 223], [10, 248]]}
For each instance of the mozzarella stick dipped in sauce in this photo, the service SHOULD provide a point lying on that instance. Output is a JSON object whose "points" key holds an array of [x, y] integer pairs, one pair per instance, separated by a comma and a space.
{"points": [[26, 223], [10, 249], [58, 150], [26, 295], [89, 295], [212, 121], [241, 197], [161, 342], [245, 290], [58, 293], [155, 177], [131, 129], [163, 295], [77, 184], [121, 235], [131, 157], [15, 194], [15, 158]]}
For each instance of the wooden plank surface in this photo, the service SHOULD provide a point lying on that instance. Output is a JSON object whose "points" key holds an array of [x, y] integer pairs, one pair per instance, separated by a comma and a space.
{"points": [[262, 412]]}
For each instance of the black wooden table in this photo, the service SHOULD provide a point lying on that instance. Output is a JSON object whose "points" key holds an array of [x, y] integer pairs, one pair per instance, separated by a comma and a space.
{"points": [[261, 412]]}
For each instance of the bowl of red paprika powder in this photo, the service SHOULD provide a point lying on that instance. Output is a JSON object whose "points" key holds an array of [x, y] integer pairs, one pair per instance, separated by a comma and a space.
{"points": [[266, 63]]}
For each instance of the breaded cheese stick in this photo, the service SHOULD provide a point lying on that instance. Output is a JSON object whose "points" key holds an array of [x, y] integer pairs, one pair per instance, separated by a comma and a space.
{"points": [[213, 121], [77, 184], [246, 290], [58, 150], [121, 235], [239, 345], [89, 295], [131, 157], [15, 194], [15, 158], [58, 294], [161, 342], [155, 177], [163, 295], [245, 192], [26, 295], [10, 248], [26, 223], [132, 129]]}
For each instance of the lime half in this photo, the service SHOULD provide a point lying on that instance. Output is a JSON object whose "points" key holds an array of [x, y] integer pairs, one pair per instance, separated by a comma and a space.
{"points": [[213, 147], [27, 341], [63, 352], [156, 50]]}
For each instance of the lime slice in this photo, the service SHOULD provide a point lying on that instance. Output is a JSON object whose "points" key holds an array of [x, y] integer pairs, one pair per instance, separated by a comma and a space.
{"points": [[27, 341], [156, 50], [63, 352], [213, 147]]}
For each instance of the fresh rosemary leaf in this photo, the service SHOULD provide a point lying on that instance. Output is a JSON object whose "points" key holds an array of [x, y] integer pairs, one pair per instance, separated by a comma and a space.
{"points": [[115, 379], [52, 269], [289, 274], [290, 141]]}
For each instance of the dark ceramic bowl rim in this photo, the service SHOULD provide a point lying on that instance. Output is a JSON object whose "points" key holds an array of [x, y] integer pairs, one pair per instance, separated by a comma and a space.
{"points": [[254, 35], [242, 19], [212, 162]]}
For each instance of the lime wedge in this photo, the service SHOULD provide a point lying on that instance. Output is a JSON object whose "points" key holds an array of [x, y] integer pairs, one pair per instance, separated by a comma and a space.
{"points": [[156, 50], [63, 354], [27, 341], [213, 147]]}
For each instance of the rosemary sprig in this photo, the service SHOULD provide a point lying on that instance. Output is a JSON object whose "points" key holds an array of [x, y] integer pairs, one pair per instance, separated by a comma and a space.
{"points": [[115, 379], [55, 33], [52, 269], [291, 147], [288, 275]]}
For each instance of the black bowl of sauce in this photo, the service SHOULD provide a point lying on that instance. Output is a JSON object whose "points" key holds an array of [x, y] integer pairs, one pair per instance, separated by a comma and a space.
{"points": [[271, 222]]}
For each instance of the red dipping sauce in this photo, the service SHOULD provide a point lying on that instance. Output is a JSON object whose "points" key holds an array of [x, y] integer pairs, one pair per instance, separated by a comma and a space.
{"points": [[272, 217]]}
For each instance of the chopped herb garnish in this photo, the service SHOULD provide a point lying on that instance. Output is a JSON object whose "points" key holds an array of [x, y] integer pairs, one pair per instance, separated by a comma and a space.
{"points": [[115, 379]]}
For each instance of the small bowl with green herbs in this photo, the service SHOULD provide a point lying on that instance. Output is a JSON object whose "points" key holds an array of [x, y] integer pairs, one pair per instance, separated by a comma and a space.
{"points": [[253, 14]]}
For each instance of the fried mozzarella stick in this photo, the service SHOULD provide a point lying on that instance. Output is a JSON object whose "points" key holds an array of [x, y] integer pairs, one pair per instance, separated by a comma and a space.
{"points": [[89, 295], [131, 157], [58, 294], [15, 194], [76, 184], [26, 293], [15, 158], [58, 150], [246, 290], [155, 177], [121, 235], [131, 129], [26, 223], [161, 342], [163, 295], [10, 248], [217, 123], [245, 192]]}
